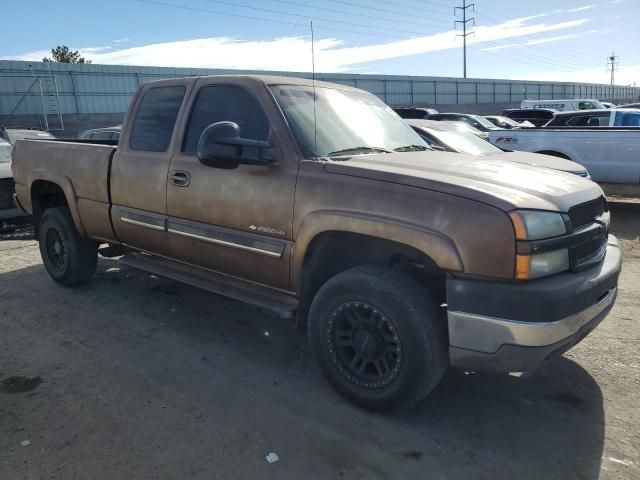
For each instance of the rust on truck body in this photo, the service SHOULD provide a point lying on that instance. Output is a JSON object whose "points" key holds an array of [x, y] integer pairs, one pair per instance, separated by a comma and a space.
{"points": [[286, 226]]}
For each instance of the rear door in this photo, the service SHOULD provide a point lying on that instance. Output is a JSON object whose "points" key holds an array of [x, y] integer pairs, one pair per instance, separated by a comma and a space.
{"points": [[238, 221], [140, 166]]}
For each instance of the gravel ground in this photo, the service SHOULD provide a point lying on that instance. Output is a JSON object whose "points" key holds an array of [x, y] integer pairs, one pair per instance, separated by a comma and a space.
{"points": [[135, 376]]}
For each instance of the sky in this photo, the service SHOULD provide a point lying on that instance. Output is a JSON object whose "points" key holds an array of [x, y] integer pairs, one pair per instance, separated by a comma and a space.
{"points": [[567, 40]]}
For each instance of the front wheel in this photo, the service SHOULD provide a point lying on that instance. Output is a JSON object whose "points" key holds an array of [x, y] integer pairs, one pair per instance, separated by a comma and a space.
{"points": [[69, 258], [379, 338]]}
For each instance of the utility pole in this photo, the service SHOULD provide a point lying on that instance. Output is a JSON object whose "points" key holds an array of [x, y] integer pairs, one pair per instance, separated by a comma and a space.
{"points": [[464, 34], [613, 62]]}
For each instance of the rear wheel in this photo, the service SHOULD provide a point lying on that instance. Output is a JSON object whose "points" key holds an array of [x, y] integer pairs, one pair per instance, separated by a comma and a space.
{"points": [[69, 258], [379, 338]]}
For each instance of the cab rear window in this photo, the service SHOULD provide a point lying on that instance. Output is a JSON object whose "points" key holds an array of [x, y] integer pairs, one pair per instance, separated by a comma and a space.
{"points": [[156, 118]]}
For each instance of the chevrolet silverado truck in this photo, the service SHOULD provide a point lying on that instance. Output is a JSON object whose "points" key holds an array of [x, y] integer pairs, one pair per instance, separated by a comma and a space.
{"points": [[317, 202]]}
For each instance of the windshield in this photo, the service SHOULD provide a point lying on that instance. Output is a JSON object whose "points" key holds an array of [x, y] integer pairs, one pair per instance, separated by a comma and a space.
{"points": [[484, 122], [5, 153], [464, 142], [508, 121], [348, 122]]}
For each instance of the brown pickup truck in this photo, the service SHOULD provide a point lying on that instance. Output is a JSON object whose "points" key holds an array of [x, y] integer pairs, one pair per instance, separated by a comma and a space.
{"points": [[317, 202]]}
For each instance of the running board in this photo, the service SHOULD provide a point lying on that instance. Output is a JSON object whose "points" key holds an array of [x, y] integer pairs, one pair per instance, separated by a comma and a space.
{"points": [[278, 303]]}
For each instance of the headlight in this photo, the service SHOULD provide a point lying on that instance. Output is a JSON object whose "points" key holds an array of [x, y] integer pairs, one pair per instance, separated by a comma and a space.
{"points": [[541, 264], [531, 225], [535, 225]]}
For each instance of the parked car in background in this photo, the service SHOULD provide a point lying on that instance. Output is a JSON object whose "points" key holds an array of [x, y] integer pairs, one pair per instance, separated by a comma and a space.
{"points": [[565, 104], [106, 133], [610, 155], [397, 260], [629, 105], [447, 137], [9, 211], [414, 112], [507, 123], [476, 121], [538, 117], [12, 134], [609, 104], [597, 118]]}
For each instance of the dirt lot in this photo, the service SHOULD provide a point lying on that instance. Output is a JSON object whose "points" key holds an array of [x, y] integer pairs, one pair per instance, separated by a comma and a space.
{"points": [[145, 378]]}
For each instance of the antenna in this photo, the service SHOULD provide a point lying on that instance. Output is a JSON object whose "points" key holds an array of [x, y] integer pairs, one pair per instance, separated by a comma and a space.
{"points": [[313, 80]]}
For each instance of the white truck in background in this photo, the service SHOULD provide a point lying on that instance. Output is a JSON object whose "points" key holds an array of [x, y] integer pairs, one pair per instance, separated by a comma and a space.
{"points": [[611, 155], [565, 105]]}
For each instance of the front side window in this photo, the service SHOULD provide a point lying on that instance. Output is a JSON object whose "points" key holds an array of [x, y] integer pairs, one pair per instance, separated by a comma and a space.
{"points": [[221, 103], [342, 121], [155, 119]]}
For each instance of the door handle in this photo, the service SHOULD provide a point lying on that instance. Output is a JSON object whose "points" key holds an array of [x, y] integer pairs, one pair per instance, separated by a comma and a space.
{"points": [[180, 178]]}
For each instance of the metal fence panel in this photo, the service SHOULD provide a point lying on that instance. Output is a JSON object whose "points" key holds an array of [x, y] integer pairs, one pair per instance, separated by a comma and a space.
{"points": [[88, 88]]}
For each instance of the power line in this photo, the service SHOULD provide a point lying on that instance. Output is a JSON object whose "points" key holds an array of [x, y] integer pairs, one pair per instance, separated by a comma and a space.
{"points": [[414, 7], [262, 19], [464, 34], [613, 60], [299, 15], [344, 12], [542, 49], [369, 7], [544, 57], [537, 63]]}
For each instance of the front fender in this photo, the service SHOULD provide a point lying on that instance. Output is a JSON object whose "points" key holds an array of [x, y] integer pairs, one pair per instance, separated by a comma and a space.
{"points": [[440, 248]]}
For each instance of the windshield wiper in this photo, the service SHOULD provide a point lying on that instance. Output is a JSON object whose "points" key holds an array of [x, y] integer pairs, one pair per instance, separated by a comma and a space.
{"points": [[356, 150], [412, 148]]}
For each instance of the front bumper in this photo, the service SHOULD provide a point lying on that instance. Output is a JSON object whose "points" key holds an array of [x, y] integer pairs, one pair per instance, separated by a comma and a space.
{"points": [[516, 326]]}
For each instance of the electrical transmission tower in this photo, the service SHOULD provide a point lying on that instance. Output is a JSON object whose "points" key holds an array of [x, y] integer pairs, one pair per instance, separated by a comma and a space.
{"points": [[612, 63], [464, 33]]}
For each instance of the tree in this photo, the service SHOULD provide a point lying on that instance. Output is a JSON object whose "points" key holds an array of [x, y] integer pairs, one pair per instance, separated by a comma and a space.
{"points": [[62, 54]]}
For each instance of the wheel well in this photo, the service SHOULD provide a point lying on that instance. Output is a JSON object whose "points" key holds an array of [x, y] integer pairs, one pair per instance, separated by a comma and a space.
{"points": [[554, 154], [333, 252], [45, 195]]}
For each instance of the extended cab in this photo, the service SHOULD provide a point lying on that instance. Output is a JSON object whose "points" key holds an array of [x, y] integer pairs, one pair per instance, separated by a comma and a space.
{"points": [[317, 201]]}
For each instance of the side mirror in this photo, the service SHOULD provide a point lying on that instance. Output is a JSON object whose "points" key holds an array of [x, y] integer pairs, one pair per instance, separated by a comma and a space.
{"points": [[221, 146]]}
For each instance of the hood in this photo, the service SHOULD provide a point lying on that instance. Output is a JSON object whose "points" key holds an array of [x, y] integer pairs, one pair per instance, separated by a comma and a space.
{"points": [[548, 161], [502, 183], [5, 170]]}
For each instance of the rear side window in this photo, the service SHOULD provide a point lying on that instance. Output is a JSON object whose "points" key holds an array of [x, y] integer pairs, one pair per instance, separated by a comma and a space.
{"points": [[155, 119], [221, 103]]}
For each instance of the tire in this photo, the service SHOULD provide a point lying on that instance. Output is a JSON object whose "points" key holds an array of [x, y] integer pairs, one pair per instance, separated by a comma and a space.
{"points": [[387, 319], [70, 259]]}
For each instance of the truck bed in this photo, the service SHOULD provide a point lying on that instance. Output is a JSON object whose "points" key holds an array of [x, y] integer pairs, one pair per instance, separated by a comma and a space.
{"points": [[80, 168]]}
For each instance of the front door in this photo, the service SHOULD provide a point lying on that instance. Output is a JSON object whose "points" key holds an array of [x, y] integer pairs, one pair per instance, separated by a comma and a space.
{"points": [[236, 221]]}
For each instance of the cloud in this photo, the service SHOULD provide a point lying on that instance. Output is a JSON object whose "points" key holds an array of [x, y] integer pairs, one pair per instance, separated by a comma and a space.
{"points": [[580, 9], [294, 53], [540, 41]]}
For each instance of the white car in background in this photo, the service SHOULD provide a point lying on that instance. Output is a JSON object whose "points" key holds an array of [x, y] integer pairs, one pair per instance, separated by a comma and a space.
{"points": [[448, 137], [9, 211], [565, 104], [612, 156]]}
